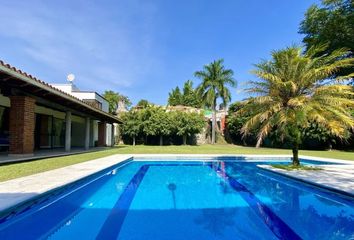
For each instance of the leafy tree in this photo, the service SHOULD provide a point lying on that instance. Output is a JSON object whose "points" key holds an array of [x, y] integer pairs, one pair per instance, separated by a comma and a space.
{"points": [[291, 95], [330, 23], [189, 97], [175, 97], [187, 124], [215, 79], [314, 131], [114, 98], [143, 103], [158, 123], [235, 121], [132, 124]]}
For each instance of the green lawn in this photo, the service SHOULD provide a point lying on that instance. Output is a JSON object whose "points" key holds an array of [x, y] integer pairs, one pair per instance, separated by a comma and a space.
{"points": [[28, 168]]}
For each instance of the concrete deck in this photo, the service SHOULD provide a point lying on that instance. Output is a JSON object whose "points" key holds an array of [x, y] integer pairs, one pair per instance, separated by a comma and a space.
{"points": [[339, 178], [20, 190]]}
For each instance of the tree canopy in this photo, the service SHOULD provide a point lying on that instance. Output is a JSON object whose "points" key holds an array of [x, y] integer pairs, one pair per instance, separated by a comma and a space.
{"points": [[158, 123], [291, 94], [143, 103], [187, 124], [215, 81], [175, 97], [132, 124], [154, 121], [332, 23], [114, 98], [189, 96]]}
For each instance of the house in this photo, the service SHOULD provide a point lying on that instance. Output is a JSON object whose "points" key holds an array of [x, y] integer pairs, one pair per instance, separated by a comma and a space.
{"points": [[35, 115]]}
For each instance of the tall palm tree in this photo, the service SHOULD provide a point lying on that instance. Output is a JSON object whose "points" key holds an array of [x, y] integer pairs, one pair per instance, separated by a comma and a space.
{"points": [[215, 79], [296, 89]]}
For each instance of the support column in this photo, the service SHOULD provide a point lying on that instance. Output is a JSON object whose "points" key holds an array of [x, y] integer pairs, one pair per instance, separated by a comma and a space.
{"points": [[22, 125], [112, 136], [68, 131], [87, 133], [102, 134]]}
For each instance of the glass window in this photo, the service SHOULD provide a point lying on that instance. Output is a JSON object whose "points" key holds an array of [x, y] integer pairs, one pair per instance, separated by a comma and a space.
{"points": [[43, 132], [58, 132]]}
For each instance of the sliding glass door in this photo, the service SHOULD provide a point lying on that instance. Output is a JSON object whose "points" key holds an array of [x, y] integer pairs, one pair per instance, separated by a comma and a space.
{"points": [[49, 132]]}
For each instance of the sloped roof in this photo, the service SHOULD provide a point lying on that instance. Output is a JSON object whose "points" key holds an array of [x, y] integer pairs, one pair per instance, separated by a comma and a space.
{"points": [[16, 78]]}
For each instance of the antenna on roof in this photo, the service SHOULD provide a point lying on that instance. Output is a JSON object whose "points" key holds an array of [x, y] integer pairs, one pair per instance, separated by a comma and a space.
{"points": [[70, 78]]}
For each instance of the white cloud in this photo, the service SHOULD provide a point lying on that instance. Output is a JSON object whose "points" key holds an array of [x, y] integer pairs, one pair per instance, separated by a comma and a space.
{"points": [[107, 46]]}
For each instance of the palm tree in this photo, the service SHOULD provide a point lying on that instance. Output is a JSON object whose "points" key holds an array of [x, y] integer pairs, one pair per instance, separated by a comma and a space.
{"points": [[215, 79], [296, 89]]}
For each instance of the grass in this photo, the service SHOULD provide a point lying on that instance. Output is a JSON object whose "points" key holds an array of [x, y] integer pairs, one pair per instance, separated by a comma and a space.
{"points": [[290, 167], [229, 149], [27, 168]]}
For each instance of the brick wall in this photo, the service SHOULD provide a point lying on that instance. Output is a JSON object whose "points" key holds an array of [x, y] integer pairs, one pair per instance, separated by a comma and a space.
{"points": [[22, 125]]}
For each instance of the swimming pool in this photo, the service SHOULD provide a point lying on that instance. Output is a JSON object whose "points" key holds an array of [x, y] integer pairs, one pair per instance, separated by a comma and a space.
{"points": [[186, 200]]}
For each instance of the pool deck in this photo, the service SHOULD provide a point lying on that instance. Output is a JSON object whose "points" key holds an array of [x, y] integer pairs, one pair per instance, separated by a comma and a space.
{"points": [[339, 178], [20, 190], [17, 192]]}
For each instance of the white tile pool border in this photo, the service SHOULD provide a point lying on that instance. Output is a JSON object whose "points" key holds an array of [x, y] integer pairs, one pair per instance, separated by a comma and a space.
{"points": [[17, 192]]}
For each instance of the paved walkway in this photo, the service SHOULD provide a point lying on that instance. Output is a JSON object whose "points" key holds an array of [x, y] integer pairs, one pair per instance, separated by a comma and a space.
{"points": [[40, 154], [335, 177], [23, 189]]}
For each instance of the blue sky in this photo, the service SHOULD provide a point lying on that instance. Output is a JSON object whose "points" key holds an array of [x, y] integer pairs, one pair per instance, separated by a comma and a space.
{"points": [[144, 48]]}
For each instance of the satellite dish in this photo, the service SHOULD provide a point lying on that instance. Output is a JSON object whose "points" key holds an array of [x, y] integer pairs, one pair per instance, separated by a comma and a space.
{"points": [[70, 77]]}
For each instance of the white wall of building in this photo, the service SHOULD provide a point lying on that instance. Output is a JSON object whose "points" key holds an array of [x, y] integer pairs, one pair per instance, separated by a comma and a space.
{"points": [[84, 95], [74, 91], [67, 87]]}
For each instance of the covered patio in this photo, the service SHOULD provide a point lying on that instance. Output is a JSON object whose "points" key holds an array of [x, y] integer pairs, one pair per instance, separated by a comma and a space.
{"points": [[36, 118]]}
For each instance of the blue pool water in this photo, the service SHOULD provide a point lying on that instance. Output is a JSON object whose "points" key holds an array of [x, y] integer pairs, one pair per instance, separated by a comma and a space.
{"points": [[186, 200]]}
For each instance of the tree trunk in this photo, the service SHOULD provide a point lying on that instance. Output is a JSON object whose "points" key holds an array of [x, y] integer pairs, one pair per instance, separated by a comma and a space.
{"points": [[161, 140], [133, 140], [184, 139], [329, 146], [296, 161], [213, 124]]}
